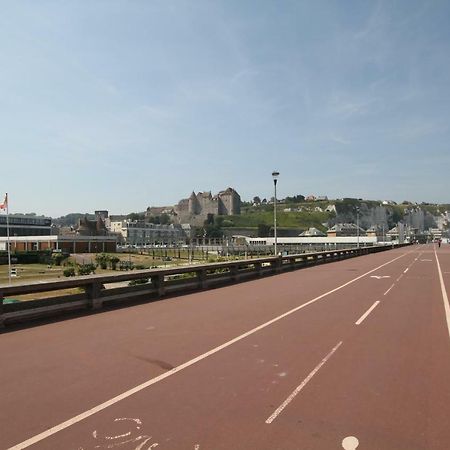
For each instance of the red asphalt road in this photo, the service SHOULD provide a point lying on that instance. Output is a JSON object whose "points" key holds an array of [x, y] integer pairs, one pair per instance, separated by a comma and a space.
{"points": [[385, 385]]}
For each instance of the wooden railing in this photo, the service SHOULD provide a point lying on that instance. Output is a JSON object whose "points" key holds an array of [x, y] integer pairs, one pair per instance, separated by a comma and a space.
{"points": [[95, 291]]}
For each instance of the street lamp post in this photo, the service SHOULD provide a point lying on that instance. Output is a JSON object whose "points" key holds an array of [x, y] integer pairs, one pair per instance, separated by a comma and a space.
{"points": [[357, 227], [275, 179]]}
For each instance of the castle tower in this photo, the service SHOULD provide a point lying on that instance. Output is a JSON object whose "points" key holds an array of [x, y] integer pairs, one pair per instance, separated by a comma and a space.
{"points": [[230, 202], [194, 206]]}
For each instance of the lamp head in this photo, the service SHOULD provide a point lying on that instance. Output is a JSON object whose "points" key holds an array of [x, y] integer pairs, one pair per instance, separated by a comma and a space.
{"points": [[275, 176]]}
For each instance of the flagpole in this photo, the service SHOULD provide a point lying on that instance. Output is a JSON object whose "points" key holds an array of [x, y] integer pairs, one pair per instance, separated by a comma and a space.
{"points": [[7, 239]]}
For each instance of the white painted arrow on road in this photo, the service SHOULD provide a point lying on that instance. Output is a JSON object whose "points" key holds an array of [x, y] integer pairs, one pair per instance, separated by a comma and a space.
{"points": [[380, 276]]}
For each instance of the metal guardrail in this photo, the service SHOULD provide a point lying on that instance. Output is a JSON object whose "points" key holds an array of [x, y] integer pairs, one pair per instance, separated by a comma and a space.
{"points": [[154, 283]]}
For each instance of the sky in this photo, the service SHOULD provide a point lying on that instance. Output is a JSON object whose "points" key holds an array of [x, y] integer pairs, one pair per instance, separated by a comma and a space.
{"points": [[125, 104]]}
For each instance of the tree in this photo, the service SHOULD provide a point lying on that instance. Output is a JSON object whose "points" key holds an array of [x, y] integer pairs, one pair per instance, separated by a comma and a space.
{"points": [[295, 199], [154, 219], [164, 219], [256, 200], [218, 221], [135, 216]]}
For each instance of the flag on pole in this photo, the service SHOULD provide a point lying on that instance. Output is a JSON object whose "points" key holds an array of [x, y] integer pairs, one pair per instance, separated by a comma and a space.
{"points": [[4, 205]]}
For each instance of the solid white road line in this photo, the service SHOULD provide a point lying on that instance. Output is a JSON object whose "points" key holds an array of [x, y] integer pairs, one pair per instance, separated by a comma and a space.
{"points": [[444, 293], [361, 319], [47, 433], [278, 411]]}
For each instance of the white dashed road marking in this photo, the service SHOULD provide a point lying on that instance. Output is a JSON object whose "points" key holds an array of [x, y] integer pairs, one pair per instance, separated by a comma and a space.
{"points": [[361, 319], [393, 284], [291, 397]]}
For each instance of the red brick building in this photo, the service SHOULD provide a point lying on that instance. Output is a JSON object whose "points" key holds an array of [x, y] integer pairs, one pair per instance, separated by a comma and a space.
{"points": [[66, 244]]}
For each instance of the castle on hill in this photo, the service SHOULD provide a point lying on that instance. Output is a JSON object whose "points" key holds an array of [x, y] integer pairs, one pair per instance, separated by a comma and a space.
{"points": [[204, 206]]}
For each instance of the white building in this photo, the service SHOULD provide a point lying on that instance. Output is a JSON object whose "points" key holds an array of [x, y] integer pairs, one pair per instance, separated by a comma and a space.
{"points": [[138, 232], [332, 242]]}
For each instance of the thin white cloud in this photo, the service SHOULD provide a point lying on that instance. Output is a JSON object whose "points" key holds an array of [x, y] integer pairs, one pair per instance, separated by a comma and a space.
{"points": [[418, 129], [244, 74], [346, 106], [340, 140]]}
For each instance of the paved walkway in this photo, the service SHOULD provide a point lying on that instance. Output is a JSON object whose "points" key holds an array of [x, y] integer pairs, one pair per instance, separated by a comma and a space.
{"points": [[352, 354]]}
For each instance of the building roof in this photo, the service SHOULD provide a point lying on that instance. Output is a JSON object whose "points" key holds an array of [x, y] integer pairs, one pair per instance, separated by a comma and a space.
{"points": [[312, 232]]}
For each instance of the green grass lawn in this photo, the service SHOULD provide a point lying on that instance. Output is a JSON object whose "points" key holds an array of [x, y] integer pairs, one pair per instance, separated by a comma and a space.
{"points": [[293, 219], [30, 272], [43, 272]]}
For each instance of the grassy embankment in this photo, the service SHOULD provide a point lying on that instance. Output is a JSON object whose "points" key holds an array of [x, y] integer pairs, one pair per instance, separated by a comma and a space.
{"points": [[304, 215], [253, 216]]}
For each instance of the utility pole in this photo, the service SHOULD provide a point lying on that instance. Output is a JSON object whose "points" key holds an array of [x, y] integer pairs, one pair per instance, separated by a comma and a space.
{"points": [[275, 179]]}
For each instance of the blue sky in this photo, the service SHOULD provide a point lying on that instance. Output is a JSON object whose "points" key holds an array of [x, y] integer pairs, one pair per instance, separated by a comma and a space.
{"points": [[122, 104]]}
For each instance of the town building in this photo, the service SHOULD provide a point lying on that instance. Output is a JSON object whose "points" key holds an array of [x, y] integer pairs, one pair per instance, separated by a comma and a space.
{"points": [[378, 231], [25, 225], [33, 233], [87, 227], [345, 229], [312, 232], [436, 233], [64, 244], [139, 232], [314, 241]]}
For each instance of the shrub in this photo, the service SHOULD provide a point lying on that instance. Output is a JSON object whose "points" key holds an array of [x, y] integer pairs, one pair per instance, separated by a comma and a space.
{"points": [[69, 272], [113, 260], [126, 265], [86, 269], [57, 258], [102, 260]]}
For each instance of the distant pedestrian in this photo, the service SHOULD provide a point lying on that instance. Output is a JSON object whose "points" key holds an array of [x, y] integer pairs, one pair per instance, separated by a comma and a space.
{"points": [[439, 243]]}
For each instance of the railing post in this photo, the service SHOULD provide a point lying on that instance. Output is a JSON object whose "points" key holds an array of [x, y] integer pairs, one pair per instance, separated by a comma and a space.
{"points": [[234, 272], [276, 264], [94, 291], [2, 318], [201, 275], [158, 283]]}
